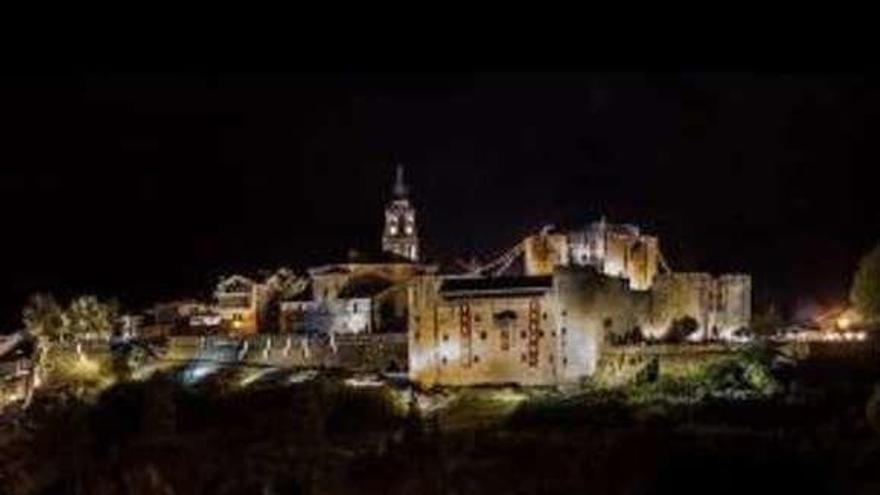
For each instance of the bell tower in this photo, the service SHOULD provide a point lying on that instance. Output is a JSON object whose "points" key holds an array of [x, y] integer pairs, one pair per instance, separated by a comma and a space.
{"points": [[400, 235]]}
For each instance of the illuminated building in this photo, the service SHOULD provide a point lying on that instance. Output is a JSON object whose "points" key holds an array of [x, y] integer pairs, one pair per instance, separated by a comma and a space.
{"points": [[241, 303], [616, 250], [400, 235], [530, 330], [365, 294]]}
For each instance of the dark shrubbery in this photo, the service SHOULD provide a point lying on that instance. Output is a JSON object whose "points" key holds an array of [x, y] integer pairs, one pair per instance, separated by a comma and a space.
{"points": [[628, 337], [681, 329], [750, 371]]}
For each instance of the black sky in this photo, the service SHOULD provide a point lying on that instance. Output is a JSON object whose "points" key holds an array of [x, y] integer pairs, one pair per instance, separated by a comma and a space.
{"points": [[149, 186]]}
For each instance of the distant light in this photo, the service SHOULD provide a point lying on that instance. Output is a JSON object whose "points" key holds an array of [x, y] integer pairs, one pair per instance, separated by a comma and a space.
{"points": [[363, 382], [303, 376]]}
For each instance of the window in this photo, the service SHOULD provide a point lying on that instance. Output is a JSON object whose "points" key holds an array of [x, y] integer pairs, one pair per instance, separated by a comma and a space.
{"points": [[476, 359], [443, 360], [544, 316], [477, 317], [482, 335], [563, 330], [445, 337], [522, 357], [354, 307], [522, 334]]}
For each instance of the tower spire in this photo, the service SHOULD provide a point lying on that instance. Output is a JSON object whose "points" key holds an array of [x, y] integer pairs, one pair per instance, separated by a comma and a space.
{"points": [[400, 235], [400, 189]]}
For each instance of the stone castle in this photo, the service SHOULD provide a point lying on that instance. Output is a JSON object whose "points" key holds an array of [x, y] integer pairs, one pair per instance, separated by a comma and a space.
{"points": [[544, 322]]}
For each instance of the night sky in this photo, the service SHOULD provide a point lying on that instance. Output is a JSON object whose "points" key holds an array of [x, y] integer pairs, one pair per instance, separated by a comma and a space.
{"points": [[147, 187]]}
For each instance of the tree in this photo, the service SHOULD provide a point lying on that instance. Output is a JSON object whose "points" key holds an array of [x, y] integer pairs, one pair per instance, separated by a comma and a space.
{"points": [[88, 317], [43, 317], [865, 292], [43, 321]]}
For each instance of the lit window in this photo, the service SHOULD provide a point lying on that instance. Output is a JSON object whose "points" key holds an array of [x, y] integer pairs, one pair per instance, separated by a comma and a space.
{"points": [[392, 229], [409, 230]]}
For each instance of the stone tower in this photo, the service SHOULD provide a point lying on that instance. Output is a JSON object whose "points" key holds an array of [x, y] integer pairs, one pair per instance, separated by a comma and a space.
{"points": [[400, 236]]}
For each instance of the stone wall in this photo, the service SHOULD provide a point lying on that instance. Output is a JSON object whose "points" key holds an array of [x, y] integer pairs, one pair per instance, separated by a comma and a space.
{"points": [[620, 366], [542, 253], [544, 338], [372, 352], [720, 305], [483, 340], [615, 250]]}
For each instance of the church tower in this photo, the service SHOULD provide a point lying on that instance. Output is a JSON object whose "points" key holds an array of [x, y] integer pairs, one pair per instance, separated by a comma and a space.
{"points": [[400, 236]]}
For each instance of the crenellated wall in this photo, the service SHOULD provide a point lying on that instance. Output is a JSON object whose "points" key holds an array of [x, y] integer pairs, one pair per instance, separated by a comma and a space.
{"points": [[616, 250]]}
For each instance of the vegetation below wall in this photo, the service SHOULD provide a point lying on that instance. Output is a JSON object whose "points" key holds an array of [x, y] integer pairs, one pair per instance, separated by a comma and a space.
{"points": [[717, 422], [693, 374], [816, 434]]}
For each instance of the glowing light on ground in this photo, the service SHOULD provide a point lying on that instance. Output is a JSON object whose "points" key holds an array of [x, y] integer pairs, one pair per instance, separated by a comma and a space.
{"points": [[254, 375], [362, 382], [303, 376], [196, 372]]}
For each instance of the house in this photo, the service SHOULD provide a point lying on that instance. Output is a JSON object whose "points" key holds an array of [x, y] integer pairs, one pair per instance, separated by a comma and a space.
{"points": [[241, 304]]}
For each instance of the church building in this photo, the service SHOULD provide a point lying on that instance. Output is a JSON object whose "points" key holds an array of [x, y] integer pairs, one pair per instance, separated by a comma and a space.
{"points": [[400, 236], [366, 293]]}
